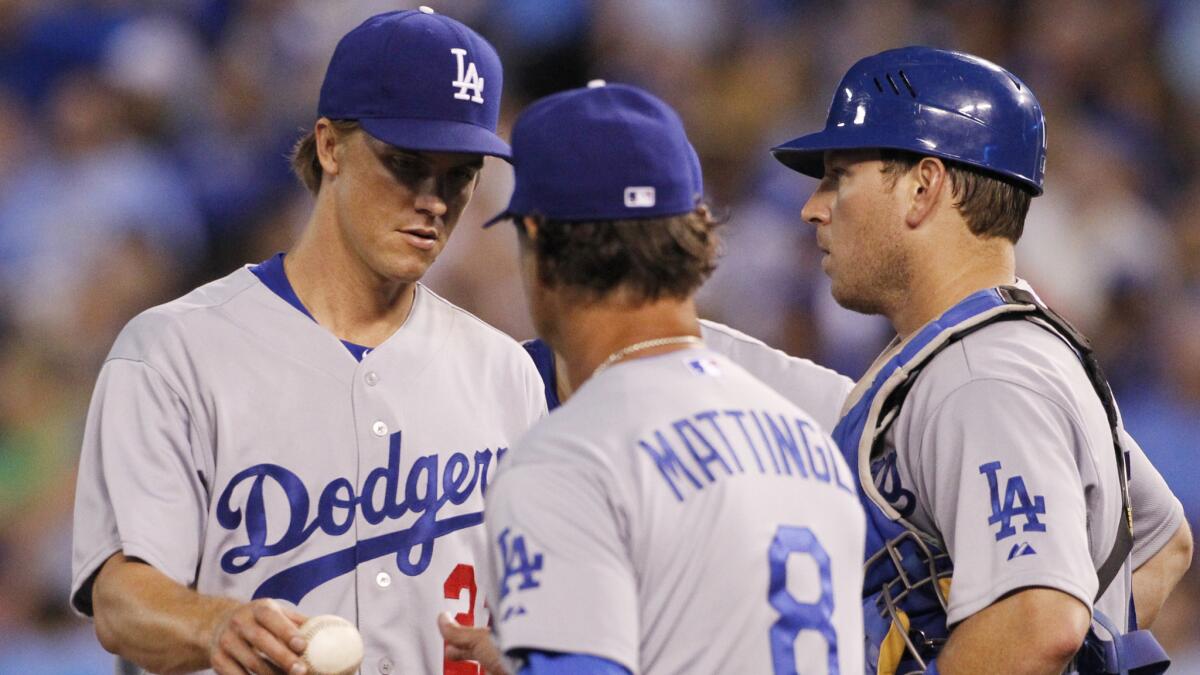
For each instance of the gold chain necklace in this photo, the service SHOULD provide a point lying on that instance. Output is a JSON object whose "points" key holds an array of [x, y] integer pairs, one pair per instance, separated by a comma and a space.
{"points": [[643, 345]]}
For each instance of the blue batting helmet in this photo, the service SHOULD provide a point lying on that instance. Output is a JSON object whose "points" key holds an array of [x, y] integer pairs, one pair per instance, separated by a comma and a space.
{"points": [[932, 102]]}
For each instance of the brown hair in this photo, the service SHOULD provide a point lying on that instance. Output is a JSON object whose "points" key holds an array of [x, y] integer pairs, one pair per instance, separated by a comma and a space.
{"points": [[992, 206], [652, 257], [305, 162]]}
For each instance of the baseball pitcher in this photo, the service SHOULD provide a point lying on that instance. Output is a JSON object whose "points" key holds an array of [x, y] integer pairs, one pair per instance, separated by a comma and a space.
{"points": [[315, 434]]}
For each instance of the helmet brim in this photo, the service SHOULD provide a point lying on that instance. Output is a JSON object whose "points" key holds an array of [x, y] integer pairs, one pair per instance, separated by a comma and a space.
{"points": [[806, 155], [437, 136]]}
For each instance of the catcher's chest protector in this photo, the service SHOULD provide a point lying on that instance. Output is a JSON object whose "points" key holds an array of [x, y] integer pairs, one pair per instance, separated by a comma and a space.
{"points": [[907, 571]]}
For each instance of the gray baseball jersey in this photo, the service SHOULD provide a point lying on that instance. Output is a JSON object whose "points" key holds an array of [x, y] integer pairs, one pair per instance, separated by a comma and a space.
{"points": [[1158, 513], [1003, 450], [238, 447], [822, 393], [678, 516], [816, 390]]}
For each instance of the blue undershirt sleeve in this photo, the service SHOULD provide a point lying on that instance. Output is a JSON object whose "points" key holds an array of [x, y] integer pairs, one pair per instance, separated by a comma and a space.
{"points": [[554, 663]]}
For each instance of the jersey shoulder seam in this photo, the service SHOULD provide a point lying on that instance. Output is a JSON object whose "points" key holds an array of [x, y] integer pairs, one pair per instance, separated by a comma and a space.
{"points": [[1005, 381], [742, 338], [469, 315], [172, 320], [966, 358], [213, 305], [183, 402], [156, 371], [731, 332], [1076, 424], [966, 344]]}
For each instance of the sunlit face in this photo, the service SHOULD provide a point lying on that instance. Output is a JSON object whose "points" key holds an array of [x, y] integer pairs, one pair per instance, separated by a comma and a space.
{"points": [[397, 208], [858, 214]]}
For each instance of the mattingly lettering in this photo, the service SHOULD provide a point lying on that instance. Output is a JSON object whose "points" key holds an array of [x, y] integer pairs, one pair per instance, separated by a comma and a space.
{"points": [[712, 444]]}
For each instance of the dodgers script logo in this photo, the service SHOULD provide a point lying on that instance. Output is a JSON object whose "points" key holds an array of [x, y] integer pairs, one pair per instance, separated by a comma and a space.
{"points": [[336, 510], [468, 78]]}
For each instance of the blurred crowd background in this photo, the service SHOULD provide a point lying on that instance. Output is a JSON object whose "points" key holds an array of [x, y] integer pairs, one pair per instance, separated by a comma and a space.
{"points": [[142, 147]]}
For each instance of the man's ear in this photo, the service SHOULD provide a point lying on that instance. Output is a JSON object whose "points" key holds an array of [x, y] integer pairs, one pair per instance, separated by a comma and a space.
{"points": [[327, 141], [926, 182], [531, 227]]}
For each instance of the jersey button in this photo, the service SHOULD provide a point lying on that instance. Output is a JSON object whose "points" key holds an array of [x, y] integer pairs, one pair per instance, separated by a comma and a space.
{"points": [[372, 379], [383, 579], [385, 665], [379, 428]]}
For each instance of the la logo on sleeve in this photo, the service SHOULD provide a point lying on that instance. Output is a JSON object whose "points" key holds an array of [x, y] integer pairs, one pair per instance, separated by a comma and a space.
{"points": [[468, 78], [518, 565], [1017, 503]]}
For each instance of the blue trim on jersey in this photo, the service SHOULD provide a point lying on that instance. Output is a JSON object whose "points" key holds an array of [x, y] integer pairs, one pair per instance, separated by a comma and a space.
{"points": [[543, 358], [554, 663], [357, 351], [274, 277]]}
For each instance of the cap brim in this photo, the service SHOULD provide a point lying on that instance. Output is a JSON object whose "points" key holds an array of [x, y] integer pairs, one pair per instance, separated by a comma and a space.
{"points": [[437, 136], [501, 217]]}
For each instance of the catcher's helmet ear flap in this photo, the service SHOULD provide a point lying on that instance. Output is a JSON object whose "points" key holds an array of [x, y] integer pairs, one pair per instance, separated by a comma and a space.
{"points": [[931, 102]]}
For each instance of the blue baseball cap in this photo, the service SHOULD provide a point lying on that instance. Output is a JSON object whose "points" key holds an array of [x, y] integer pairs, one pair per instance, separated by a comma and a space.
{"points": [[419, 81], [604, 152]]}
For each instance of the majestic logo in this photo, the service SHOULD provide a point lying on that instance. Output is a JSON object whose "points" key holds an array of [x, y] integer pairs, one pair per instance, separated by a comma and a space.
{"points": [[1020, 549], [384, 495], [1016, 503], [468, 78], [519, 566]]}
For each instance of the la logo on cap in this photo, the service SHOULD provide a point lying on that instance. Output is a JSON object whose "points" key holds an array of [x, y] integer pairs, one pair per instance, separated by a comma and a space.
{"points": [[639, 197], [468, 78]]}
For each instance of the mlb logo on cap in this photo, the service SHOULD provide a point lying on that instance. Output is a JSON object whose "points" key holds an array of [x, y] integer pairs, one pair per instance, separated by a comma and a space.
{"points": [[603, 152], [639, 197]]}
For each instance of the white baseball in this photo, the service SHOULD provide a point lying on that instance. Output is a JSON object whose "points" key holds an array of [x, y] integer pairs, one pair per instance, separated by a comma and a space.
{"points": [[334, 645]]}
